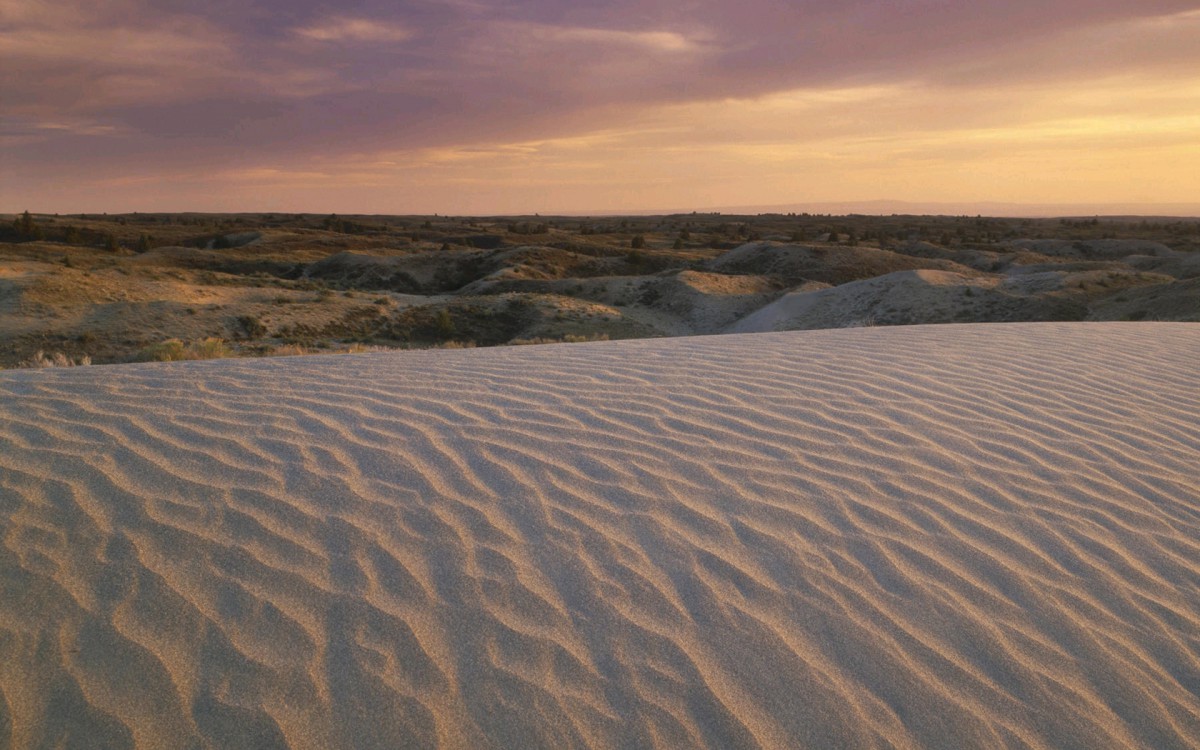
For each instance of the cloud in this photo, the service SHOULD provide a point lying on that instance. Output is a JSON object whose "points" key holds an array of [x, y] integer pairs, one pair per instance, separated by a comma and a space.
{"points": [[72, 126], [79, 63], [1045, 143], [653, 41], [21, 132], [1151, 45], [354, 30], [690, 99]]}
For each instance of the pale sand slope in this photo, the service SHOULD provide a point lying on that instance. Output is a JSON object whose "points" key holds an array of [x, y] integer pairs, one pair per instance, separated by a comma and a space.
{"points": [[946, 536]]}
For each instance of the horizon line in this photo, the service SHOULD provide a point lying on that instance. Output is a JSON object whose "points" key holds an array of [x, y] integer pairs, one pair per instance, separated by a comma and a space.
{"points": [[876, 207]]}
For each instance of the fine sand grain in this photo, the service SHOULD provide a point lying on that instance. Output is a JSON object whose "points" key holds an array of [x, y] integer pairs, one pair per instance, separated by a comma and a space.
{"points": [[945, 536]]}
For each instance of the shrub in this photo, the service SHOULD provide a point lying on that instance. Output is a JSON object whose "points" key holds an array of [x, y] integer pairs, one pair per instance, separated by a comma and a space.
{"points": [[252, 326], [171, 350], [210, 348], [444, 323]]}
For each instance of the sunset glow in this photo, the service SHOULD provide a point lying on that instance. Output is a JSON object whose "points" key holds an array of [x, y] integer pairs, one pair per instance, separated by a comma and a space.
{"points": [[488, 108]]}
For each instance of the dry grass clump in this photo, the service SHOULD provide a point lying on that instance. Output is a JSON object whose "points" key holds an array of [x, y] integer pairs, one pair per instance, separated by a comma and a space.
{"points": [[290, 350], [296, 350], [569, 338], [175, 350], [42, 360]]}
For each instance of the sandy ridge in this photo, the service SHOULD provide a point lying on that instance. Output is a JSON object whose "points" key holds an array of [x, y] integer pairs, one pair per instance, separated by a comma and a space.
{"points": [[939, 536]]}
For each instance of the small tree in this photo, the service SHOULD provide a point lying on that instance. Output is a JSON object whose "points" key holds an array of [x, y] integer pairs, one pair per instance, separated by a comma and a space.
{"points": [[111, 244], [26, 229], [638, 242]]}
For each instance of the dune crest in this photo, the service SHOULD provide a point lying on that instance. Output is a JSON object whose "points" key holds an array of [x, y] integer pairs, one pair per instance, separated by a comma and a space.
{"points": [[936, 536]]}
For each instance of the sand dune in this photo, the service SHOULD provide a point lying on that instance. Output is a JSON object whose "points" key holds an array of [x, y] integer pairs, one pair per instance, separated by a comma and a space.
{"points": [[943, 536]]}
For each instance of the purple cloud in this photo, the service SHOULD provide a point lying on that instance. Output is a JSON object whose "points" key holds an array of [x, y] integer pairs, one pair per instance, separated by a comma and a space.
{"points": [[170, 83]]}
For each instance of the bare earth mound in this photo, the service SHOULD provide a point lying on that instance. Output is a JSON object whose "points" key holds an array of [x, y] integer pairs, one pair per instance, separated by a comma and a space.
{"points": [[943, 536]]}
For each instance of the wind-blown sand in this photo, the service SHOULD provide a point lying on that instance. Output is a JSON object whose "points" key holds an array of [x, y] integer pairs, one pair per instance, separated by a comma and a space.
{"points": [[944, 536]]}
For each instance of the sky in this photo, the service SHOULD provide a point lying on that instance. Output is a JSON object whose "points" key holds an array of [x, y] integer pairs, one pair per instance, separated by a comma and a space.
{"points": [[485, 107]]}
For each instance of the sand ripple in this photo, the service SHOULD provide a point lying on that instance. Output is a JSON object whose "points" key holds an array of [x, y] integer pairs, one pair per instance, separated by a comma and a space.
{"points": [[952, 536]]}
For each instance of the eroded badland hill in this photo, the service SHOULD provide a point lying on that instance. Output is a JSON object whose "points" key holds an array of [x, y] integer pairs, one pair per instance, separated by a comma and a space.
{"points": [[154, 286]]}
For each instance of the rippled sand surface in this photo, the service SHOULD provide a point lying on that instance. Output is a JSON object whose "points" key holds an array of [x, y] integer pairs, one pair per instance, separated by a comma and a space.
{"points": [[945, 536]]}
